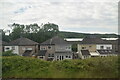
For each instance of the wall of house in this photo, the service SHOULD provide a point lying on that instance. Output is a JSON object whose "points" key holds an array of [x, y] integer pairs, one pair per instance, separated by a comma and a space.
{"points": [[58, 56], [23, 48], [86, 56], [14, 48], [115, 48], [90, 47], [49, 48], [1, 48], [63, 47], [105, 46]]}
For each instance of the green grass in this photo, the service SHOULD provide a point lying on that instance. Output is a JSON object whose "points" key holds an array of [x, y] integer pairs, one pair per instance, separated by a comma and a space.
{"points": [[25, 67]]}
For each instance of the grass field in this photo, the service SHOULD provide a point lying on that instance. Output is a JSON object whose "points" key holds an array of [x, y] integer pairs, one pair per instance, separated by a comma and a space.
{"points": [[25, 67]]}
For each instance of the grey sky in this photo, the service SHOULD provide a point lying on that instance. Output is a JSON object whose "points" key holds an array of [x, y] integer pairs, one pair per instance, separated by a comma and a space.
{"points": [[78, 16]]}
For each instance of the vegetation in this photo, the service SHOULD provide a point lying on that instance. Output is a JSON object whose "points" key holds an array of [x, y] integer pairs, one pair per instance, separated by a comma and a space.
{"points": [[8, 53], [22, 67], [43, 32]]}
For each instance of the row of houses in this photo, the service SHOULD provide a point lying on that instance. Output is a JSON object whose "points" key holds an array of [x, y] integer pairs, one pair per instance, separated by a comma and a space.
{"points": [[58, 48]]}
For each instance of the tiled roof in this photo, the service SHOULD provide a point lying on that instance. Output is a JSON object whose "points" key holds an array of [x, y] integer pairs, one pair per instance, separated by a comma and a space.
{"points": [[105, 51], [27, 53], [85, 52], [63, 52], [3, 43], [55, 40], [23, 42], [41, 53], [114, 42], [94, 41]]}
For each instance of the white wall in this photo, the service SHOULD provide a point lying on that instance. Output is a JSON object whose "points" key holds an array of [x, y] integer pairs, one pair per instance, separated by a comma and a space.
{"points": [[15, 51], [105, 46], [63, 48], [69, 56]]}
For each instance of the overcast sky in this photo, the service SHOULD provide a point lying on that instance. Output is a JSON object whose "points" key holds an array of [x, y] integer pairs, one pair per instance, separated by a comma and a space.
{"points": [[86, 16]]}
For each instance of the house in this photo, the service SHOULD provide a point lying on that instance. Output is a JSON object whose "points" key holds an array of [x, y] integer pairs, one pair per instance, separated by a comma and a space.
{"points": [[2, 44], [114, 45], [22, 47], [55, 48], [94, 47]]}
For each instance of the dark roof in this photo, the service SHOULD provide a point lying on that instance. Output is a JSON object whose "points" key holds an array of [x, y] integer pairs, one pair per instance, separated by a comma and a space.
{"points": [[55, 40], [63, 52], [94, 41], [105, 51], [114, 42], [3, 43], [118, 41], [27, 53], [41, 53], [85, 52], [74, 42], [23, 42]]}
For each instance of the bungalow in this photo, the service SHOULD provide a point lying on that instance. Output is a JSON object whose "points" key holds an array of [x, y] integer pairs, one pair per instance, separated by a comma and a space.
{"points": [[55, 48], [93, 47], [2, 44], [22, 47]]}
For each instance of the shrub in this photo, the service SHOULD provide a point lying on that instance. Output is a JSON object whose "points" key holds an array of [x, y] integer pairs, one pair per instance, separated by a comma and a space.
{"points": [[8, 53], [25, 67]]}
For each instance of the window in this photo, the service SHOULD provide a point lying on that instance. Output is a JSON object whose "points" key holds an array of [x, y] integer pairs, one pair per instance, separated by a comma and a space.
{"points": [[66, 56], [83, 47], [42, 48], [13, 47], [106, 51], [50, 55], [7, 48], [102, 51], [69, 47], [108, 48], [49, 47], [101, 47], [69, 56]]}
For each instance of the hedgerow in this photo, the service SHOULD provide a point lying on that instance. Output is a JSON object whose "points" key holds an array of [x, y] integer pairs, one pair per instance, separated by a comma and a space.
{"points": [[27, 67]]}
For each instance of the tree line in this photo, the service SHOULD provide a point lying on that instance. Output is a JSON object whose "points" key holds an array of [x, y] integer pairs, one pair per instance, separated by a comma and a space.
{"points": [[32, 31], [40, 33]]}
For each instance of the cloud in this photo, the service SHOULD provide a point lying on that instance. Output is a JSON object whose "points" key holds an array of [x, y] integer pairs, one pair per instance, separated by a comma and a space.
{"points": [[75, 16]]}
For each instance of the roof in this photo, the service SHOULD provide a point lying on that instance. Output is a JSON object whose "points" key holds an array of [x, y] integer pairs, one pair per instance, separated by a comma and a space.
{"points": [[80, 39], [55, 40], [105, 51], [3, 43], [94, 41], [74, 42], [23, 42], [73, 39], [109, 38], [27, 53], [94, 53], [85, 52], [41, 53], [63, 52]]}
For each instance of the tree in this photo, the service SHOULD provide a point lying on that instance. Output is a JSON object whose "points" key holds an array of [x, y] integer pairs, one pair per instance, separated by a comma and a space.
{"points": [[3, 36], [17, 32], [74, 47], [50, 27]]}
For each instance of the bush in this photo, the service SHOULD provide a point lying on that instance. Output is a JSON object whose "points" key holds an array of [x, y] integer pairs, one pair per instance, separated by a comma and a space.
{"points": [[8, 53], [25, 67]]}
